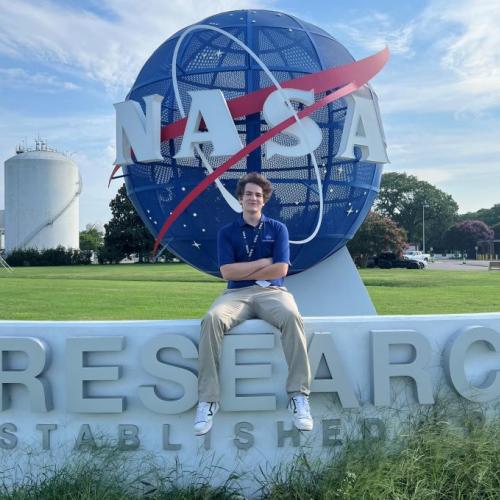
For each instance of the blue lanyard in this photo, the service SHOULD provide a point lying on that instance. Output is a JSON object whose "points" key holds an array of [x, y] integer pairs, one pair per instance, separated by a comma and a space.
{"points": [[249, 251]]}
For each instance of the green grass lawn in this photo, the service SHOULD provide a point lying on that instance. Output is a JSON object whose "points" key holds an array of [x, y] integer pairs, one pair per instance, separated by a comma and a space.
{"points": [[175, 291], [404, 291]]}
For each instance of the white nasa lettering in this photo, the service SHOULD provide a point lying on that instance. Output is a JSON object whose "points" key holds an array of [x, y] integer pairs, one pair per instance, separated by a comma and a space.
{"points": [[307, 132], [362, 128], [210, 106], [142, 132], [138, 130]]}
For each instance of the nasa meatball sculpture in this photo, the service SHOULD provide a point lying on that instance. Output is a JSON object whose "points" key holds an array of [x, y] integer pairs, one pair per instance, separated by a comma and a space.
{"points": [[249, 91]]}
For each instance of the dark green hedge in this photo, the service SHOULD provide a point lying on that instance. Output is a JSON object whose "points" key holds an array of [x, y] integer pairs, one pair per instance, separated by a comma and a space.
{"points": [[59, 256]]}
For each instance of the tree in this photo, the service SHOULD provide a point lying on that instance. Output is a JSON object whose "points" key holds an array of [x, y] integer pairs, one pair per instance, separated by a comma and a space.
{"points": [[91, 239], [401, 198], [377, 234], [463, 236], [490, 216], [496, 230], [125, 233]]}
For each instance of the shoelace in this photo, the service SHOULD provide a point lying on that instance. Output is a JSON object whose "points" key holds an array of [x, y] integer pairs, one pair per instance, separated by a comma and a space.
{"points": [[202, 412], [302, 406]]}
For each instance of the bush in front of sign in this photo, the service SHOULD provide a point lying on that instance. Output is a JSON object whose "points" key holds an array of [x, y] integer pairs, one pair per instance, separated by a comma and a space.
{"points": [[444, 451], [109, 473]]}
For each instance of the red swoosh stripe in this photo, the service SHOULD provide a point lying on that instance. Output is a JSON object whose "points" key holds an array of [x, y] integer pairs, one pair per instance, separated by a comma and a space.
{"points": [[365, 69], [115, 169], [253, 102], [199, 188]]}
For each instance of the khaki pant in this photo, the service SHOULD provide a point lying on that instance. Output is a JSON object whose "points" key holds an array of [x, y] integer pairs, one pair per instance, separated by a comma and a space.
{"points": [[272, 304]]}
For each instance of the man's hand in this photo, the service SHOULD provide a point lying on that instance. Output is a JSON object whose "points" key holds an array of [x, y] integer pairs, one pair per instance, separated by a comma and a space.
{"points": [[239, 271], [271, 272]]}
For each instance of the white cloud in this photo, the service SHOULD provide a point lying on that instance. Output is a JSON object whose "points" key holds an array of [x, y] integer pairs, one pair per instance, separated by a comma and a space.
{"points": [[425, 93], [464, 163], [19, 78], [451, 57], [468, 147], [375, 31], [456, 67], [432, 175], [473, 52], [445, 59], [86, 138], [110, 51]]}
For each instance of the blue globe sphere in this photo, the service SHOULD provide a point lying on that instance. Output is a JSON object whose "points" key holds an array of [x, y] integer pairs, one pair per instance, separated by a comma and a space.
{"points": [[207, 58]]}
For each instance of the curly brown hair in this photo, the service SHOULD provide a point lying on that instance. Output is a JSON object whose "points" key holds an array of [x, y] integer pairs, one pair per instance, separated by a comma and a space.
{"points": [[254, 178]]}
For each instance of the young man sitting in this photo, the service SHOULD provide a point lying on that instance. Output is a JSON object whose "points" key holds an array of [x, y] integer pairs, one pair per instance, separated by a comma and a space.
{"points": [[254, 255]]}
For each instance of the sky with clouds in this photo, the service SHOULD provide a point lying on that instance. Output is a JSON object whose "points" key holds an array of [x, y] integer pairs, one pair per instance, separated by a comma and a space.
{"points": [[63, 63]]}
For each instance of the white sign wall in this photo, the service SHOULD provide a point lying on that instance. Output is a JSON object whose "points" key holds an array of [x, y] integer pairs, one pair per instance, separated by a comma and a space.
{"points": [[65, 385]]}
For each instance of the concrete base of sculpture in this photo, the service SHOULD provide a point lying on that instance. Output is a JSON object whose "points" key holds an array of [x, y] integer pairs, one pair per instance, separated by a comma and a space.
{"points": [[331, 288]]}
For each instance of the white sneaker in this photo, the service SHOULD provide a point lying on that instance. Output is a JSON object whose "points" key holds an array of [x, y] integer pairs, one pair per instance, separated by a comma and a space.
{"points": [[204, 416], [299, 406]]}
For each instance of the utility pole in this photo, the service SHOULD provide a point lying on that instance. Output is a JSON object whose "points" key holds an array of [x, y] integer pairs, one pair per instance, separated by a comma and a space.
{"points": [[423, 225]]}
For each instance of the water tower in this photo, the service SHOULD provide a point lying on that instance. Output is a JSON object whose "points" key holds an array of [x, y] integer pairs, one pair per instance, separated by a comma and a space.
{"points": [[42, 189]]}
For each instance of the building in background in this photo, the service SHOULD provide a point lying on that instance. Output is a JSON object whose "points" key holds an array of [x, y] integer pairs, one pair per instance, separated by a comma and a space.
{"points": [[42, 189]]}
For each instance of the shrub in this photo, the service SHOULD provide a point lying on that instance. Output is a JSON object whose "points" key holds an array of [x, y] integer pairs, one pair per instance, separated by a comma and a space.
{"points": [[108, 473], [58, 256], [431, 460], [464, 236], [377, 234], [442, 452]]}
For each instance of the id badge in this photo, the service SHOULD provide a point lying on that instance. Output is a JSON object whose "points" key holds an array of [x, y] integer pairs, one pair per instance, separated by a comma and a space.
{"points": [[263, 283]]}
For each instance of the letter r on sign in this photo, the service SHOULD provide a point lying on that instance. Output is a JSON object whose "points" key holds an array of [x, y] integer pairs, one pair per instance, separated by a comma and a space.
{"points": [[38, 388]]}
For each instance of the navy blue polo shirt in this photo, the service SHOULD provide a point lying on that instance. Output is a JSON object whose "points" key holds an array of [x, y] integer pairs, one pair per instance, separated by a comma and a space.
{"points": [[272, 242]]}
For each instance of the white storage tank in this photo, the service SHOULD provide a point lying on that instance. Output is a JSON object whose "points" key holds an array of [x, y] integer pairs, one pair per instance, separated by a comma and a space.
{"points": [[42, 189]]}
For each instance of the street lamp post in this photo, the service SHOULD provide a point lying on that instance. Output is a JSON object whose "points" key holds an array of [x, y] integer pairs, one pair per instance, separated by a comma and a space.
{"points": [[423, 226]]}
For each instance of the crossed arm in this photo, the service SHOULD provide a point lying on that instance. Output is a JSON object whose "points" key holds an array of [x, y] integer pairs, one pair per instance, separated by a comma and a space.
{"points": [[260, 269]]}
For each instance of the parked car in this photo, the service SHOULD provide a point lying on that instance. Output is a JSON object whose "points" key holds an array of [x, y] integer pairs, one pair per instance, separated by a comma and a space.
{"points": [[389, 260], [421, 263], [417, 255]]}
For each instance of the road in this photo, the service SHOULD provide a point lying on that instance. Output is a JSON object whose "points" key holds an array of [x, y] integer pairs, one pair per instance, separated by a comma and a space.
{"points": [[457, 265]]}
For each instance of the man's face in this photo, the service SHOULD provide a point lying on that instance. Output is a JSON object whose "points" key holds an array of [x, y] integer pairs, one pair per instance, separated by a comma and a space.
{"points": [[252, 200]]}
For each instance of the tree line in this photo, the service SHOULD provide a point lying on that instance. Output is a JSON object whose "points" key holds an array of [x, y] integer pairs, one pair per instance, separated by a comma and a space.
{"points": [[397, 219], [405, 204]]}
